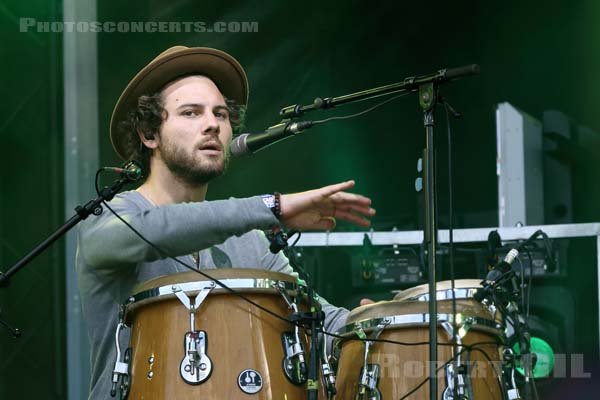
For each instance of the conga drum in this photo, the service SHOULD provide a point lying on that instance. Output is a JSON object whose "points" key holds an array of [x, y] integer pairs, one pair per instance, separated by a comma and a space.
{"points": [[192, 339], [383, 370]]}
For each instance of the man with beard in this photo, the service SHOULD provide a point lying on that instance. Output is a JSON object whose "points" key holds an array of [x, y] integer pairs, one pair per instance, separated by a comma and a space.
{"points": [[176, 116]]}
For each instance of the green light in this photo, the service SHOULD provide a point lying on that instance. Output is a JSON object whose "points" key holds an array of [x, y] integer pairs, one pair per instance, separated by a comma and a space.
{"points": [[545, 357]]}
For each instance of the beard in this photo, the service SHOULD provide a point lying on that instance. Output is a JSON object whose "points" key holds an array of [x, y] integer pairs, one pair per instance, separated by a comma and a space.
{"points": [[191, 171]]}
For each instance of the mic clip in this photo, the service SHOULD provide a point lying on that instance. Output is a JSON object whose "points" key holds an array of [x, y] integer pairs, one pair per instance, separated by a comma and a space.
{"points": [[278, 239]]}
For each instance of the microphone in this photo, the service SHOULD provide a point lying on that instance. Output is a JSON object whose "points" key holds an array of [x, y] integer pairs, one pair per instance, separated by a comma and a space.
{"points": [[247, 144], [131, 170], [499, 270]]}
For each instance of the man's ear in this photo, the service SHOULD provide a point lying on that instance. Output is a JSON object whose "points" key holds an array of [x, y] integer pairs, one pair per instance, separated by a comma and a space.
{"points": [[148, 139]]}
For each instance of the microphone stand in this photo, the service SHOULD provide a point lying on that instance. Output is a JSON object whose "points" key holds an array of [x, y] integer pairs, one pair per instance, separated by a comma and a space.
{"points": [[82, 212], [427, 87]]}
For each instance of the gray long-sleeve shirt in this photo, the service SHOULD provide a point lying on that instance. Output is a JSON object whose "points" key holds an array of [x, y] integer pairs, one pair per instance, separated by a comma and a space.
{"points": [[111, 259]]}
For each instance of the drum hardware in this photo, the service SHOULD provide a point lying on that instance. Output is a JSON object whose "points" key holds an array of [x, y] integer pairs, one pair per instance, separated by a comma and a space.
{"points": [[501, 288], [508, 370], [456, 371], [294, 361], [327, 372], [150, 374], [121, 371], [369, 374], [294, 364], [196, 366]]}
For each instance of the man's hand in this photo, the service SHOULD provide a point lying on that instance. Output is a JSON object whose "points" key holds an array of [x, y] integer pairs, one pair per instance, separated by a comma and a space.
{"points": [[364, 302], [318, 209]]}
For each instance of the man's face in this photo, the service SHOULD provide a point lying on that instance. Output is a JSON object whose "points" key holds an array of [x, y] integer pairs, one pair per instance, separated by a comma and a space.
{"points": [[194, 138]]}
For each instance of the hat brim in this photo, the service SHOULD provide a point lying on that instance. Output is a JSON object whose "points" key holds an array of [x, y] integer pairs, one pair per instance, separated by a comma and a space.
{"points": [[224, 70]]}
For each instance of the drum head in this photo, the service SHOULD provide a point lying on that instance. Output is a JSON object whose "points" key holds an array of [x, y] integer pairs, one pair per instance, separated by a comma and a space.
{"points": [[242, 280], [412, 313], [217, 273], [464, 288]]}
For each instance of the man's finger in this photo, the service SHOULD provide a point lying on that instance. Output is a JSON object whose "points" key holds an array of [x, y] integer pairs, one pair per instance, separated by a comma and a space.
{"points": [[338, 187], [325, 224], [352, 218], [366, 211], [344, 197], [364, 302]]}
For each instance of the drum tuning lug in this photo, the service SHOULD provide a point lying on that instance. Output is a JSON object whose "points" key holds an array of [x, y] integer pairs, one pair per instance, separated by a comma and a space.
{"points": [[150, 374], [458, 374], [294, 364], [151, 360], [368, 383], [196, 366]]}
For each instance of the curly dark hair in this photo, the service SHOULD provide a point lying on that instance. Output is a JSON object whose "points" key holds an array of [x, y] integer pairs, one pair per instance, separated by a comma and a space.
{"points": [[148, 116]]}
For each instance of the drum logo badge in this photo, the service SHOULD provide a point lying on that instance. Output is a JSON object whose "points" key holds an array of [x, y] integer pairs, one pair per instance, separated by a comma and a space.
{"points": [[250, 381]]}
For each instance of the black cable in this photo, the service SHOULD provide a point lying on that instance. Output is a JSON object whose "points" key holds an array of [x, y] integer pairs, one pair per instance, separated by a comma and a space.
{"points": [[530, 283], [451, 242], [498, 375], [465, 348], [347, 338], [358, 114], [522, 268]]}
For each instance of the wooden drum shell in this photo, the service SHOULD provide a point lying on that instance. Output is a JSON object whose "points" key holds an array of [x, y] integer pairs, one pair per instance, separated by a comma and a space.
{"points": [[402, 368], [239, 336]]}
